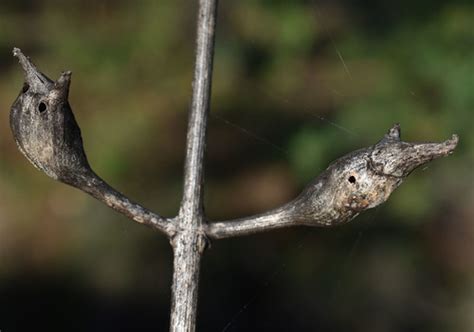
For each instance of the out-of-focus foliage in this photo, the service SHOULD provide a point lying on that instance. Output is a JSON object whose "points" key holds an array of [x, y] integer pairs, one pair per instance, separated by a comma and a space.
{"points": [[296, 84]]}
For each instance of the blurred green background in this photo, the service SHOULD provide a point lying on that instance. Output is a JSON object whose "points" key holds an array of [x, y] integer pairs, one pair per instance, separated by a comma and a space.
{"points": [[296, 84]]}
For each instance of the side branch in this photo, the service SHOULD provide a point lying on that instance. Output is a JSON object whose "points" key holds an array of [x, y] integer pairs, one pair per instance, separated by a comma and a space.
{"points": [[356, 182], [271, 220], [103, 192], [47, 133]]}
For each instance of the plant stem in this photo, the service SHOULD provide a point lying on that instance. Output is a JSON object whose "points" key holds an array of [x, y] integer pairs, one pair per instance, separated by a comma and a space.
{"points": [[193, 177], [190, 241]]}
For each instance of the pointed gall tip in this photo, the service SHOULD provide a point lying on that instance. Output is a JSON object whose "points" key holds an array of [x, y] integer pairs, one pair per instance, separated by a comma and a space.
{"points": [[61, 86], [451, 143], [454, 138], [37, 81], [16, 52], [393, 133], [65, 77], [24, 61]]}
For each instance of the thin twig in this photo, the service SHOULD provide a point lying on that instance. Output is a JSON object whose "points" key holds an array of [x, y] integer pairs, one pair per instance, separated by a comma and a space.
{"points": [[356, 182], [47, 133]]}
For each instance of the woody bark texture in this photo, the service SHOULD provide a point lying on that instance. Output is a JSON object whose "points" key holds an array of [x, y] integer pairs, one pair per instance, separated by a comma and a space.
{"points": [[190, 242], [353, 183], [48, 135]]}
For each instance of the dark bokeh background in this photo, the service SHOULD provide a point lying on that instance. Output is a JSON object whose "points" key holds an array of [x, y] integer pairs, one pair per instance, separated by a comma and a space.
{"points": [[296, 84]]}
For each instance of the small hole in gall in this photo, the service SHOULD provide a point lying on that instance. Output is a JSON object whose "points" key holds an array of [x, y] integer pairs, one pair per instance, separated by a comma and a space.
{"points": [[42, 107], [351, 179], [25, 88]]}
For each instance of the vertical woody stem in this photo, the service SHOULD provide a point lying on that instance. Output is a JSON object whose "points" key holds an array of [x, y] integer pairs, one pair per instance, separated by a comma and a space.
{"points": [[194, 168], [190, 241]]}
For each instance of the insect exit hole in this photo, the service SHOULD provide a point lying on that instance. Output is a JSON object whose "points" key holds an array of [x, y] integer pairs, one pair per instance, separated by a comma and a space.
{"points": [[42, 107], [25, 88], [352, 179]]}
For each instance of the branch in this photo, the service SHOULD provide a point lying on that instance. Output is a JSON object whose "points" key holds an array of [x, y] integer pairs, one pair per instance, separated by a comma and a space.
{"points": [[191, 204], [47, 133], [190, 242], [356, 182], [103, 192]]}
